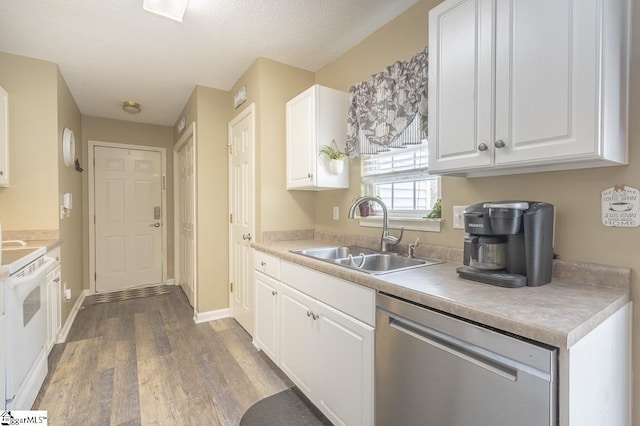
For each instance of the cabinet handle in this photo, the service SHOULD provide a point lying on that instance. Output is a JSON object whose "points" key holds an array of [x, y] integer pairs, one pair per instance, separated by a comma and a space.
{"points": [[312, 315], [482, 147], [57, 280], [309, 313], [247, 236], [263, 264], [500, 143], [273, 293], [310, 176]]}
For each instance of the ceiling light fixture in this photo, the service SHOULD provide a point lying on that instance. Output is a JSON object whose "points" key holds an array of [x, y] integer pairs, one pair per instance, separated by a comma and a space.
{"points": [[172, 9], [131, 107]]}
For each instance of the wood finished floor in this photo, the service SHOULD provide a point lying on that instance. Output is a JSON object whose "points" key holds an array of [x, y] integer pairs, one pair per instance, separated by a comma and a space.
{"points": [[145, 362]]}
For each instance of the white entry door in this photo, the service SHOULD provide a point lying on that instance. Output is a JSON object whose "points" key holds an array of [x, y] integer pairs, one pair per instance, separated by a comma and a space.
{"points": [[185, 209], [241, 203], [128, 218]]}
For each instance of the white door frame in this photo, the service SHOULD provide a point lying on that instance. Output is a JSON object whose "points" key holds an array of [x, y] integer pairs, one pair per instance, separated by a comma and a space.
{"points": [[250, 110], [91, 190], [189, 132]]}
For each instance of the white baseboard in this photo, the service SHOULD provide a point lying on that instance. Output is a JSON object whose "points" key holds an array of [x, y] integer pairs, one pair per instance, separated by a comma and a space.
{"points": [[170, 281], [64, 331], [200, 317]]}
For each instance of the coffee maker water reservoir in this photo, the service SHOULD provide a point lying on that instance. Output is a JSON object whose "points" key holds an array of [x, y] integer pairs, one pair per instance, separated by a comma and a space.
{"points": [[509, 243]]}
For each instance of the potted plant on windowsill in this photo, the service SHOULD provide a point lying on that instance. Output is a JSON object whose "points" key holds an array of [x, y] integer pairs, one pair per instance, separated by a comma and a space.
{"points": [[336, 158], [366, 209]]}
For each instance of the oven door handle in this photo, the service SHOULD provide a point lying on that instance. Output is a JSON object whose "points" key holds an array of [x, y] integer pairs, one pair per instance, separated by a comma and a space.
{"points": [[13, 282]]}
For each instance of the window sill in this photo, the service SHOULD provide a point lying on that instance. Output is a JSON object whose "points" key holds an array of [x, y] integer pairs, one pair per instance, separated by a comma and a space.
{"points": [[409, 223]]}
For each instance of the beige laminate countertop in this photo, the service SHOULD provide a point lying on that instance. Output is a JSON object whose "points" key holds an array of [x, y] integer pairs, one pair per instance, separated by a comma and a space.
{"points": [[47, 244], [559, 313]]}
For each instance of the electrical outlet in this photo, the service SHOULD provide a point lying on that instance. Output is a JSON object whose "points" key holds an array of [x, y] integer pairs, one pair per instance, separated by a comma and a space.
{"points": [[336, 213], [458, 217], [66, 293]]}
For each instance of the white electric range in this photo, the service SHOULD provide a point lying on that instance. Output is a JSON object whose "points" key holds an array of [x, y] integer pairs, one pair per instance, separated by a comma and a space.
{"points": [[25, 306]]}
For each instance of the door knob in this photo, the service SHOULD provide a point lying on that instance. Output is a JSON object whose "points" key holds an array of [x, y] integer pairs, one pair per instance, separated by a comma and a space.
{"points": [[155, 225], [247, 236], [482, 147], [500, 143]]}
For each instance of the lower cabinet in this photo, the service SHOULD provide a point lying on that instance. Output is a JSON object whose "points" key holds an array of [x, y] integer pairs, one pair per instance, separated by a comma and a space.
{"points": [[265, 329], [329, 356], [326, 352], [319, 330], [53, 300]]}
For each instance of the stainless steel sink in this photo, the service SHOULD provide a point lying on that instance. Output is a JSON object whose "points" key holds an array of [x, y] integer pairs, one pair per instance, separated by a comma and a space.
{"points": [[332, 253], [365, 260]]}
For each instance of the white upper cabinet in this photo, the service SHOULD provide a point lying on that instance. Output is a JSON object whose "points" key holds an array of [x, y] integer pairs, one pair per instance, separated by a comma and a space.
{"points": [[4, 138], [528, 85], [316, 117]]}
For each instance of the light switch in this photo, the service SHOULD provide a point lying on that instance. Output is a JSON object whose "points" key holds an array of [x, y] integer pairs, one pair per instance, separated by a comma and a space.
{"points": [[336, 213]]}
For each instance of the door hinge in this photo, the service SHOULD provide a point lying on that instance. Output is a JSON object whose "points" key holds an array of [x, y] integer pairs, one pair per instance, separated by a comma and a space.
{"points": [[231, 287], [94, 219], [163, 183], [95, 276], [230, 217]]}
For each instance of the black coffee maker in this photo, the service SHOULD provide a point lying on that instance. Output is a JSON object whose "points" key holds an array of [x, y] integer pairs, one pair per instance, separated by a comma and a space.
{"points": [[510, 243]]}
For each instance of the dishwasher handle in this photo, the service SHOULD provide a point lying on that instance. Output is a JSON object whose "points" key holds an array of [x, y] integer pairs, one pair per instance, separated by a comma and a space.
{"points": [[483, 358]]}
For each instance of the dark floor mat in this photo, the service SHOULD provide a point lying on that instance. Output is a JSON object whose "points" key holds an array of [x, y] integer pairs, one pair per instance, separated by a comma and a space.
{"points": [[285, 408]]}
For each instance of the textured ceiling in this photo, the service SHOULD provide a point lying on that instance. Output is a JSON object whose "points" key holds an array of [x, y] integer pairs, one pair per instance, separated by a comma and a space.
{"points": [[111, 51]]}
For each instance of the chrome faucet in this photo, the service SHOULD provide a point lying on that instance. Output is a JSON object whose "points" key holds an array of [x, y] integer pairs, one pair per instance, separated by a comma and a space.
{"points": [[386, 241]]}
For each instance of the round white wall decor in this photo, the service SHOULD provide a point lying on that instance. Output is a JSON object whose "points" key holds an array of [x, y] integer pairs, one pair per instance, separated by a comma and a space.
{"points": [[68, 147]]}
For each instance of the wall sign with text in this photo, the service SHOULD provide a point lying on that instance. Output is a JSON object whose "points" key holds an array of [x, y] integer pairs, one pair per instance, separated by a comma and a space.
{"points": [[621, 207]]}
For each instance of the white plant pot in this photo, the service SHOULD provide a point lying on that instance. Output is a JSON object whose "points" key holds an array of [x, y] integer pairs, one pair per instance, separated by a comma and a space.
{"points": [[336, 166]]}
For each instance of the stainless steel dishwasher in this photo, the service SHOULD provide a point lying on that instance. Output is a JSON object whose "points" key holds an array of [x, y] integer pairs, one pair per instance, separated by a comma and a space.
{"points": [[437, 370]]}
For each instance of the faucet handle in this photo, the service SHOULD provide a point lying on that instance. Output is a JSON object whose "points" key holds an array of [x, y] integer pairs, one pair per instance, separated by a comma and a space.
{"points": [[391, 240]]}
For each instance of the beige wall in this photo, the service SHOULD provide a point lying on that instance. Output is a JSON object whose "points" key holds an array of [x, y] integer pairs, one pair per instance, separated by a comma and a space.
{"points": [[576, 194], [209, 110], [212, 199], [270, 85], [31, 200], [126, 132], [69, 180], [40, 106]]}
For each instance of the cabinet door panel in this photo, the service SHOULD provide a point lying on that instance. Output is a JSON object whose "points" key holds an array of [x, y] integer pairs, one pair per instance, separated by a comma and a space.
{"points": [[344, 353], [301, 129], [460, 84], [296, 337], [545, 108], [266, 325]]}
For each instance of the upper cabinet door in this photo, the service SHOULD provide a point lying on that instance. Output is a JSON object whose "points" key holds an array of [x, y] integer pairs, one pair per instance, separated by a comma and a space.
{"points": [[460, 84], [520, 86], [301, 136], [546, 80], [4, 138]]}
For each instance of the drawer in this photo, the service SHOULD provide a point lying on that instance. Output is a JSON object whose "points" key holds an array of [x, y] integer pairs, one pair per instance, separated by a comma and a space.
{"points": [[267, 264], [352, 299]]}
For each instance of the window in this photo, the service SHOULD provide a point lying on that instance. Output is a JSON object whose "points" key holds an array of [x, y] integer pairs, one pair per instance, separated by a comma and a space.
{"points": [[400, 178]]}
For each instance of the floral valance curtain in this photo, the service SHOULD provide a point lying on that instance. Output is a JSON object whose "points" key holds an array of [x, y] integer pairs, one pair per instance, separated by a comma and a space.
{"points": [[386, 111]]}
